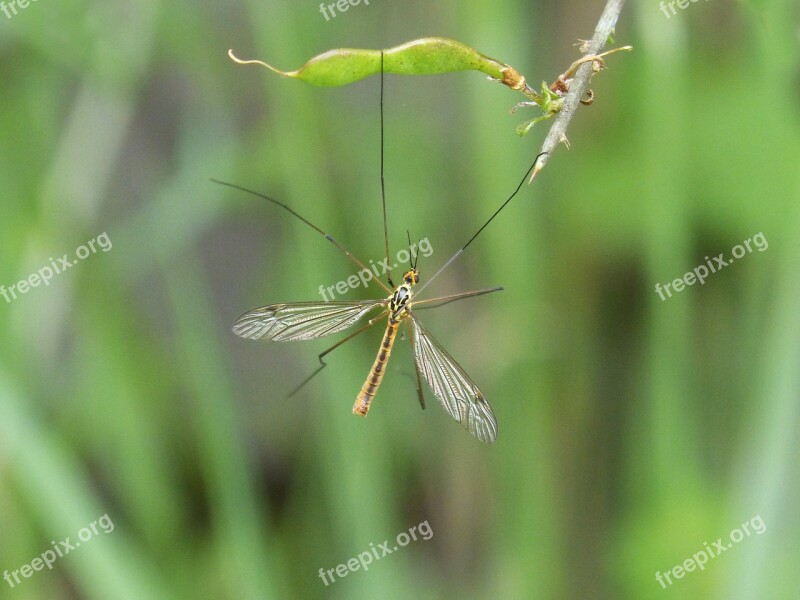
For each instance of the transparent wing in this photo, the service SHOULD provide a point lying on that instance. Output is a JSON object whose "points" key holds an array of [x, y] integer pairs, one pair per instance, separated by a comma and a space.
{"points": [[452, 386], [301, 320]]}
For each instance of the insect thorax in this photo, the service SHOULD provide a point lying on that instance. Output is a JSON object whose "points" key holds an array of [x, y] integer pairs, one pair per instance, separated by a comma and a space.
{"points": [[402, 295], [398, 300]]}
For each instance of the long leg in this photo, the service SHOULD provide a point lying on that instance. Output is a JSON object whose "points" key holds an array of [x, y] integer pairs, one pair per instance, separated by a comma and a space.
{"points": [[323, 364], [420, 393], [307, 222], [442, 300], [383, 187], [482, 227]]}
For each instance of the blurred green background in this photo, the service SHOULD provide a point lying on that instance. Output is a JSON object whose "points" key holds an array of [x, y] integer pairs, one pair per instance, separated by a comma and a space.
{"points": [[633, 430]]}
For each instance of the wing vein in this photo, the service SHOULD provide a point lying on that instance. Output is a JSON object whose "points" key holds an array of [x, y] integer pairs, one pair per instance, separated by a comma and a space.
{"points": [[458, 394], [301, 320]]}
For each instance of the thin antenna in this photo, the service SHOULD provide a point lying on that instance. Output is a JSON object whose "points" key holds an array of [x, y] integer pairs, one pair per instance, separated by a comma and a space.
{"points": [[497, 212], [411, 258], [383, 185], [307, 222]]}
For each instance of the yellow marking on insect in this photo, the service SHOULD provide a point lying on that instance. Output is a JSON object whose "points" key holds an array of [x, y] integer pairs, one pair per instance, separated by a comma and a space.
{"points": [[397, 312]]}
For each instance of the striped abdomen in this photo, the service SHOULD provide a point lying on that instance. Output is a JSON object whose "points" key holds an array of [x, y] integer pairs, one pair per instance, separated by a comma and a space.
{"points": [[370, 387]]}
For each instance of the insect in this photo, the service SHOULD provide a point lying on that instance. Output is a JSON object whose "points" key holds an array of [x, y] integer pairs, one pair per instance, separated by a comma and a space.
{"points": [[457, 392]]}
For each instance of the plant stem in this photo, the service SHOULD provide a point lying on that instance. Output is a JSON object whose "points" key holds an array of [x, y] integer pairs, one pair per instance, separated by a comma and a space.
{"points": [[578, 86]]}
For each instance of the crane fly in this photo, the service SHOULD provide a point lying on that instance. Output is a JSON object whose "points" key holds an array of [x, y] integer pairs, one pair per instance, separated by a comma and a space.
{"points": [[459, 395], [457, 392]]}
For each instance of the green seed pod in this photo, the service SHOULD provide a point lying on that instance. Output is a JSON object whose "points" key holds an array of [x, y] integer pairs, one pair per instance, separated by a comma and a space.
{"points": [[426, 56]]}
